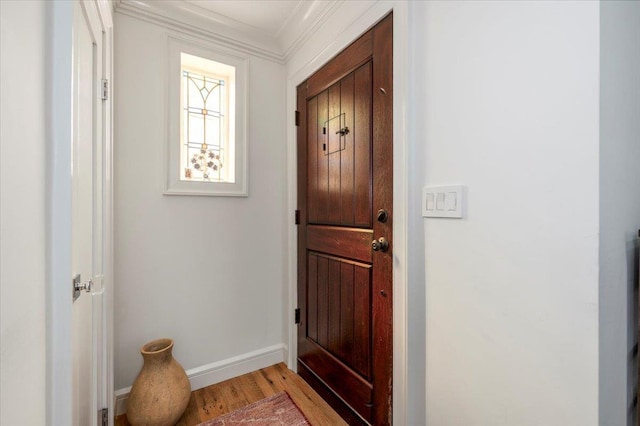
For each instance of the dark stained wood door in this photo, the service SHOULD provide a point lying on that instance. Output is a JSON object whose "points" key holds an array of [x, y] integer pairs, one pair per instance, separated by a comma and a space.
{"points": [[345, 149]]}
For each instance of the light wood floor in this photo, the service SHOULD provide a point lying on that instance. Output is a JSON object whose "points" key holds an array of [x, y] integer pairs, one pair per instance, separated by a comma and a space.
{"points": [[221, 398]]}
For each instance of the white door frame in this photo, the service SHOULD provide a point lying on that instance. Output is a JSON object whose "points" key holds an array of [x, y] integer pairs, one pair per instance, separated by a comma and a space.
{"points": [[58, 243], [352, 30]]}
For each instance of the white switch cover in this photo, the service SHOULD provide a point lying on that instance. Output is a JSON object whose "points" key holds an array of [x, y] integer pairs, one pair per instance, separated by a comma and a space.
{"points": [[442, 201]]}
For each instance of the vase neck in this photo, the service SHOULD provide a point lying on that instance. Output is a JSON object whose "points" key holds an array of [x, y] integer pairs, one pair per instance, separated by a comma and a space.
{"points": [[159, 357]]}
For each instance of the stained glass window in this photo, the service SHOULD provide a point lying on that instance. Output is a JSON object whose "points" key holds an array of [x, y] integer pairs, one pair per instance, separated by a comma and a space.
{"points": [[204, 127], [206, 119]]}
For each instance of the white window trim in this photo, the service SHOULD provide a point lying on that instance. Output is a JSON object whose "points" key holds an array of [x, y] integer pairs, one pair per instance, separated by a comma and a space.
{"points": [[173, 184]]}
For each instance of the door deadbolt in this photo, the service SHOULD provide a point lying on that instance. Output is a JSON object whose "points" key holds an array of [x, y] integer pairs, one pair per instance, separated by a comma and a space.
{"points": [[382, 215], [381, 244]]}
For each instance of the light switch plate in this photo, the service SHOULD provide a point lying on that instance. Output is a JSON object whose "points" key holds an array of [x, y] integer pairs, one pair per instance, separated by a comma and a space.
{"points": [[443, 201]]}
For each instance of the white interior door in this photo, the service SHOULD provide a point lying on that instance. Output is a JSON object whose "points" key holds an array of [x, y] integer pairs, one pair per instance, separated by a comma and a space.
{"points": [[87, 219]]}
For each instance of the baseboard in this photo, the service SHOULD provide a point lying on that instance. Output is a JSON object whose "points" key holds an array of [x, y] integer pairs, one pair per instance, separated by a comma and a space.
{"points": [[216, 372]]}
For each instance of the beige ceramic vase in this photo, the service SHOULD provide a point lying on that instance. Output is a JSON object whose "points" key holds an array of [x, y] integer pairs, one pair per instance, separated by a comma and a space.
{"points": [[160, 394]]}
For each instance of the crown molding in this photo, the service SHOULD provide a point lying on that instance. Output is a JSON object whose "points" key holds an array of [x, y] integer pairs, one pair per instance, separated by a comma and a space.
{"points": [[192, 7], [303, 24], [186, 17], [292, 16], [183, 21]]}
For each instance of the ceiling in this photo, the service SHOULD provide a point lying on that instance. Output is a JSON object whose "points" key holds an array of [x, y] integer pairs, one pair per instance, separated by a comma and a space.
{"points": [[270, 28], [266, 15]]}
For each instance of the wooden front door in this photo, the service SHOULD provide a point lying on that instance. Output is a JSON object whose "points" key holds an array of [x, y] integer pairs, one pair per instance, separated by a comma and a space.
{"points": [[345, 148]]}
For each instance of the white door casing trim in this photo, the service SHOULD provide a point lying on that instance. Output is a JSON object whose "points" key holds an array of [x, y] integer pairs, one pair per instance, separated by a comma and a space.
{"points": [[105, 9], [59, 60], [366, 20], [58, 252]]}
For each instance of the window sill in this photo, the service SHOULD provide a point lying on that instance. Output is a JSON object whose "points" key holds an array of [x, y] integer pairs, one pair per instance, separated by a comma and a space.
{"points": [[208, 189]]}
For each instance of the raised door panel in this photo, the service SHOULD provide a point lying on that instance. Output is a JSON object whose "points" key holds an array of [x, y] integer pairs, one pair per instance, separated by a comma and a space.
{"points": [[339, 152], [339, 319]]}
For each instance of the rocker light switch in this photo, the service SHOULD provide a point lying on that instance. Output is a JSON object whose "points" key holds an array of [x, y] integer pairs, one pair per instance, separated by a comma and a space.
{"points": [[443, 201], [440, 201], [430, 203], [451, 201]]}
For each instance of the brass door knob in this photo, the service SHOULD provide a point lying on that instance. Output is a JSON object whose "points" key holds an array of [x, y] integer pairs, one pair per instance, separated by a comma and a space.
{"points": [[381, 244]]}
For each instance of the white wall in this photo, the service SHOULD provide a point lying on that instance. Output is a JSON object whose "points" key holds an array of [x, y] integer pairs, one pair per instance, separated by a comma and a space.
{"points": [[619, 208], [506, 102], [205, 271], [22, 213]]}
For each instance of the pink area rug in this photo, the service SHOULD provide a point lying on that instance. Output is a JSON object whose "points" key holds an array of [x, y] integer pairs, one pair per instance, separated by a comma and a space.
{"points": [[278, 409]]}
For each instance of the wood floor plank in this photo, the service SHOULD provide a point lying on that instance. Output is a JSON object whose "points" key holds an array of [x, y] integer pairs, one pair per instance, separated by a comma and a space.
{"points": [[190, 416], [209, 403], [265, 386], [250, 389], [233, 397], [311, 404], [222, 398], [317, 411]]}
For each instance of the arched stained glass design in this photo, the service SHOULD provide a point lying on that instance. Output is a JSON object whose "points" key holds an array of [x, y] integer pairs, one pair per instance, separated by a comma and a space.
{"points": [[204, 127]]}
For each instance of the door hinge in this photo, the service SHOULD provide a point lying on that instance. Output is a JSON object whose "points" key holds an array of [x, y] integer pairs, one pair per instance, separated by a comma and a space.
{"points": [[297, 315], [105, 89], [297, 217], [103, 417], [297, 118]]}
